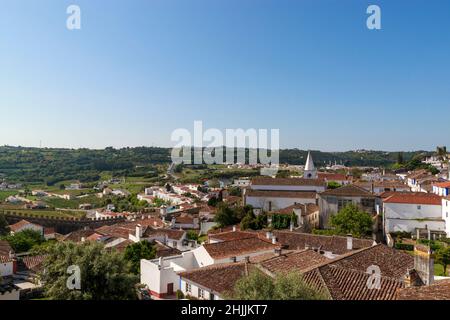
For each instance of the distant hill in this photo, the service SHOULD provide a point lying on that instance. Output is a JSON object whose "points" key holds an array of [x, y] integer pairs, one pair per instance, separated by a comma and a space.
{"points": [[51, 165]]}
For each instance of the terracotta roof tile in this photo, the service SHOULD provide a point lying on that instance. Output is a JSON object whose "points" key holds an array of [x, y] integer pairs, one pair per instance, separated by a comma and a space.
{"points": [[414, 198], [287, 182], [232, 235], [296, 260], [238, 247], [348, 191], [439, 290], [281, 194]]}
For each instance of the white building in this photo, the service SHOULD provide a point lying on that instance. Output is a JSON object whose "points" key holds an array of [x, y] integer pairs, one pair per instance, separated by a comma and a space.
{"points": [[6, 266], [407, 212], [275, 200], [446, 214], [161, 275], [26, 225], [442, 189]]}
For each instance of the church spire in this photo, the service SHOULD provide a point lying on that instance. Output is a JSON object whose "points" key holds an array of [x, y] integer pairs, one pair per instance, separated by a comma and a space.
{"points": [[310, 171], [309, 162]]}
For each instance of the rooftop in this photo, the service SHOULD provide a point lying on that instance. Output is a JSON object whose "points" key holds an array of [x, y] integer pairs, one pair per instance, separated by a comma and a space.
{"points": [[287, 182], [281, 194], [439, 290], [414, 198], [232, 248], [348, 191]]}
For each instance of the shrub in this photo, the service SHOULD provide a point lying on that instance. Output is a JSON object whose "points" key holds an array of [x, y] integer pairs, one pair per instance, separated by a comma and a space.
{"points": [[180, 294], [404, 246]]}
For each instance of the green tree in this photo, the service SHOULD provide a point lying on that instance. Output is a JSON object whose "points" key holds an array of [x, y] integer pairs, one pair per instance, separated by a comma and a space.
{"points": [[351, 219], [287, 286], [442, 256], [225, 216], [255, 286], [104, 274], [235, 191], [25, 240], [137, 251], [4, 228], [192, 235], [333, 185], [400, 159], [291, 286]]}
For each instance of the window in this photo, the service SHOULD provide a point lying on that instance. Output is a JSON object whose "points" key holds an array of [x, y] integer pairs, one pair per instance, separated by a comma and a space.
{"points": [[343, 203], [201, 293], [369, 203], [188, 288], [233, 259], [419, 207]]}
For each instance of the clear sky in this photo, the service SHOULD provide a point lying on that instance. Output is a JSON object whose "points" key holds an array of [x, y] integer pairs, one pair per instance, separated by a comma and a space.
{"points": [[137, 70]]}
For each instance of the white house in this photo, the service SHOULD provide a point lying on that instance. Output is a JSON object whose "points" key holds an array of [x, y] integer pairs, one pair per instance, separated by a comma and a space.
{"points": [[288, 184], [408, 212], [26, 225], [442, 188], [7, 266], [276, 200], [446, 214], [161, 275]]}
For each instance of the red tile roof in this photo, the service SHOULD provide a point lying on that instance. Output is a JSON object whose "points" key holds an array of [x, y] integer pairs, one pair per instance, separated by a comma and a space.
{"points": [[232, 235], [414, 198], [5, 259], [5, 248], [346, 277], [296, 260], [220, 278], [332, 176], [17, 226], [232, 248], [281, 194], [287, 182], [439, 290], [348, 191], [443, 184]]}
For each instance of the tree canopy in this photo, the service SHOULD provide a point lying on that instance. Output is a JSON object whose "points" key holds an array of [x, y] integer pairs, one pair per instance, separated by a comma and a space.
{"points": [[4, 228], [104, 274], [137, 251], [25, 240], [287, 286], [442, 256], [352, 220]]}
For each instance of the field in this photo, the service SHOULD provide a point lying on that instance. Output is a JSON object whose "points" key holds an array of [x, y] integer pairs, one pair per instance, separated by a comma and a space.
{"points": [[43, 213]]}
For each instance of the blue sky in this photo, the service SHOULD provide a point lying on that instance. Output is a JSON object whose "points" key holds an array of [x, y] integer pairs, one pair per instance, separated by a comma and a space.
{"points": [[137, 70]]}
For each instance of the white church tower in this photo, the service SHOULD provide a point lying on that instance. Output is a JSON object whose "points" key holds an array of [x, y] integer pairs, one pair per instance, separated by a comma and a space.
{"points": [[310, 171]]}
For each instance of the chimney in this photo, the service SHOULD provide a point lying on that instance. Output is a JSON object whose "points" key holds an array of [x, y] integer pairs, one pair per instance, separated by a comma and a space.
{"points": [[349, 242], [269, 235], [274, 240], [14, 265], [138, 232], [424, 263], [234, 228], [412, 279]]}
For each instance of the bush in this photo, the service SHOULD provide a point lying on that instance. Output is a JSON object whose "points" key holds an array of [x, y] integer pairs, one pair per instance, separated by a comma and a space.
{"points": [[404, 246], [180, 294]]}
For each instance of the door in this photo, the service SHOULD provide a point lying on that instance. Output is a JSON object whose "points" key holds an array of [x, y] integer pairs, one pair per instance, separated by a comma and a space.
{"points": [[170, 289]]}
